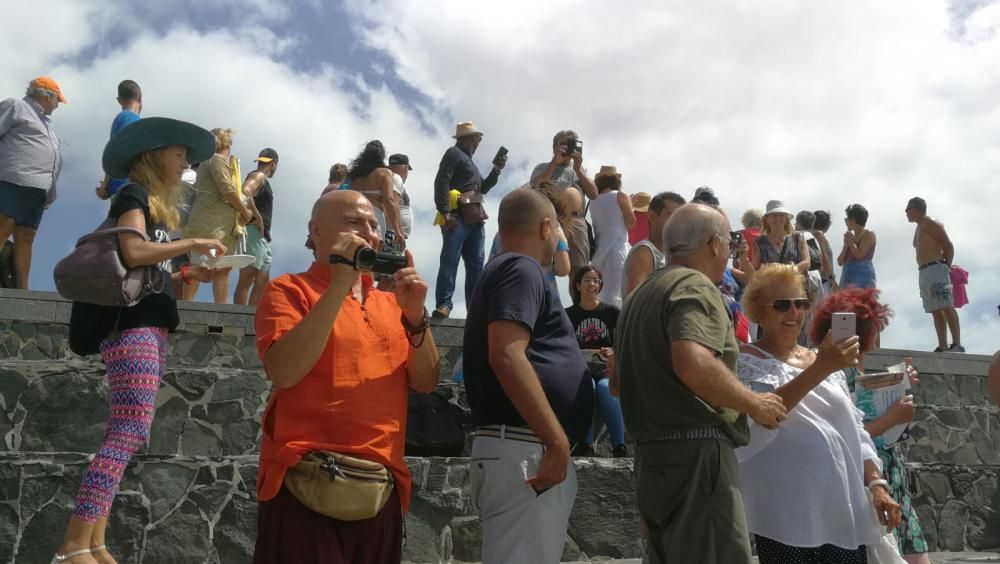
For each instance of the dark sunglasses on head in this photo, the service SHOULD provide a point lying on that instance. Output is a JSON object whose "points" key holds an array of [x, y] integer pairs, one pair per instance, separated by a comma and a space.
{"points": [[786, 304]]}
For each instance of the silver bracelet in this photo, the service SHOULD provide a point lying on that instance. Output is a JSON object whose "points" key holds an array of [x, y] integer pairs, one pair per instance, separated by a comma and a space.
{"points": [[879, 482]]}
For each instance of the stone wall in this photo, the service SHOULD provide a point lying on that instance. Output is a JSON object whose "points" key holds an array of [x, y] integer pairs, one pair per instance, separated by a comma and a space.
{"points": [[189, 497]]}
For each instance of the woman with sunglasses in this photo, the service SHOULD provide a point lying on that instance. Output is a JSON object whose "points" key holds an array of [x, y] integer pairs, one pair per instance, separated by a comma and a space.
{"points": [[594, 324], [872, 317], [804, 483]]}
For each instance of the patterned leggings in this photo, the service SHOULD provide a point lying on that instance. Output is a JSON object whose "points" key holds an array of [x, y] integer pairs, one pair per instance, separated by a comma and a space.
{"points": [[135, 360]]}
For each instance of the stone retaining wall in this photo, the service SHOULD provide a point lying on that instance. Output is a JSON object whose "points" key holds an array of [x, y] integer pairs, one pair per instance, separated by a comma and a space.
{"points": [[189, 496]]}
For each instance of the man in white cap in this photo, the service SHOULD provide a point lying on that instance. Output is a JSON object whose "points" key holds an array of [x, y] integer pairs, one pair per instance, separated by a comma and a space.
{"points": [[460, 240], [30, 162]]}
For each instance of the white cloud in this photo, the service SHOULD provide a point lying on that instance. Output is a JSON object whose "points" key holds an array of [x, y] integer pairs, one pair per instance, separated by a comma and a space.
{"points": [[819, 105]]}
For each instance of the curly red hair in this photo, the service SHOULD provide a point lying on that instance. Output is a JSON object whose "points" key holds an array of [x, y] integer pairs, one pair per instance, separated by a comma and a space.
{"points": [[872, 315]]}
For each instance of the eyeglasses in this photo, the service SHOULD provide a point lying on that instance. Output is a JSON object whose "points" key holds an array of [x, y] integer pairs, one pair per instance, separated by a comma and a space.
{"points": [[587, 280], [785, 304]]}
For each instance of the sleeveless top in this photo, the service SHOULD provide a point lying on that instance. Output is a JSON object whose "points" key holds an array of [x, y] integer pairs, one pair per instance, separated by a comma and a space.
{"points": [[659, 259], [264, 200], [787, 254], [867, 258]]}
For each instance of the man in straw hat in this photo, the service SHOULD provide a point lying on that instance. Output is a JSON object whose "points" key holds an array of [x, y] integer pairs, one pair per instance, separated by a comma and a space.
{"points": [[458, 173], [30, 162], [566, 171]]}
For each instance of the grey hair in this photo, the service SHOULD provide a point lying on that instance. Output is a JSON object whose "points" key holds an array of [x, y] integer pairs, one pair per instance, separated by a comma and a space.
{"points": [[33, 91], [686, 233]]}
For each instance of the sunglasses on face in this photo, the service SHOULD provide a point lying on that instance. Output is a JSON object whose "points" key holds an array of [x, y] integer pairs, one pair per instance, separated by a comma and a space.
{"points": [[785, 304]]}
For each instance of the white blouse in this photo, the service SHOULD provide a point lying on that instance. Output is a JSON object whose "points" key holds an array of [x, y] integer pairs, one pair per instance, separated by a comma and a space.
{"points": [[803, 483]]}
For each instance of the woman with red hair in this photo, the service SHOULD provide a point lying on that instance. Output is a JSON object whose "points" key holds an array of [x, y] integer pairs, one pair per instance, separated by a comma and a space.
{"points": [[872, 317]]}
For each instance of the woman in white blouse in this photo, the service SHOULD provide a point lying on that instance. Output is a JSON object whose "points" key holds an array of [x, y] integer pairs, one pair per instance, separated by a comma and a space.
{"points": [[804, 483]]}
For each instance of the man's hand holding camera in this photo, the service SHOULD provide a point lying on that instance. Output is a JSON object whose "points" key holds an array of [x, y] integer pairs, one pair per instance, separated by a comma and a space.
{"points": [[344, 274], [410, 291]]}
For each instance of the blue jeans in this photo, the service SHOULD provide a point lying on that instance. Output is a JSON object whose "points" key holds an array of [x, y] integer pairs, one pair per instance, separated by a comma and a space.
{"points": [[610, 411], [463, 242]]}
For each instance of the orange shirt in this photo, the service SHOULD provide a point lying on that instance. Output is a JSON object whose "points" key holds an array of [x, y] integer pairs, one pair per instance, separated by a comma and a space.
{"points": [[354, 400]]}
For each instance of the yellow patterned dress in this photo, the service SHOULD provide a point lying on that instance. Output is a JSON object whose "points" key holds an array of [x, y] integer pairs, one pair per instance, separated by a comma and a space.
{"points": [[211, 216]]}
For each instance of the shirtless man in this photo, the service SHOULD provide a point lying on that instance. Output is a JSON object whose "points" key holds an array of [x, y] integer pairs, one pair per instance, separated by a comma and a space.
{"points": [[934, 257]]}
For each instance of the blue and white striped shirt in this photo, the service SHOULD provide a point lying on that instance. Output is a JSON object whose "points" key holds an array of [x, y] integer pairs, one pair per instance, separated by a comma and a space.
{"points": [[29, 148]]}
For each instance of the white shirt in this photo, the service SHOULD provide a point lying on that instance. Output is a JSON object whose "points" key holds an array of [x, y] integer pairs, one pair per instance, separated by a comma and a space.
{"points": [[803, 483]]}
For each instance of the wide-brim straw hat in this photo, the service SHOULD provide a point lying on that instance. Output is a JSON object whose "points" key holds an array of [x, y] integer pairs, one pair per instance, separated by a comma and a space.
{"points": [[640, 201], [608, 170], [465, 129], [149, 134], [777, 206]]}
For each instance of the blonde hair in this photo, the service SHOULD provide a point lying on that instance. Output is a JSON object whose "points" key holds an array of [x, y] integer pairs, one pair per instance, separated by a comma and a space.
{"points": [[768, 276], [147, 170], [766, 228], [223, 138]]}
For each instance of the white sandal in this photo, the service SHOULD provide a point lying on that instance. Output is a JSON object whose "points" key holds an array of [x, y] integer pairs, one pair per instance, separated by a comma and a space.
{"points": [[72, 555]]}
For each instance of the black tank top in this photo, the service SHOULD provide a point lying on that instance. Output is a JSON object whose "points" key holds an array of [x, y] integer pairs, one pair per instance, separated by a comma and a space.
{"points": [[264, 200]]}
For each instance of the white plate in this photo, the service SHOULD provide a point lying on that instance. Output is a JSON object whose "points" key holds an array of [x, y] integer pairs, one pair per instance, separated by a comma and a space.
{"points": [[229, 261]]}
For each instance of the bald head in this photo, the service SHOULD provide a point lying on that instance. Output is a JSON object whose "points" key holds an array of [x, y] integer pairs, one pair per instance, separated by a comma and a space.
{"points": [[341, 211], [528, 225], [523, 210]]}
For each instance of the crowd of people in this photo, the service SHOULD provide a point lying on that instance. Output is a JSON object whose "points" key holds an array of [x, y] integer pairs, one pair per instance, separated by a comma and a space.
{"points": [[708, 349]]}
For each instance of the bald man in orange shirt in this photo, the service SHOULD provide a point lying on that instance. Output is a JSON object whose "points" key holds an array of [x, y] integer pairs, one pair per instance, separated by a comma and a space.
{"points": [[341, 356]]}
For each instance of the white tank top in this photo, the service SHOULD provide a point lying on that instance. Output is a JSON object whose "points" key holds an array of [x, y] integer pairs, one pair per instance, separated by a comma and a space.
{"points": [[659, 259]]}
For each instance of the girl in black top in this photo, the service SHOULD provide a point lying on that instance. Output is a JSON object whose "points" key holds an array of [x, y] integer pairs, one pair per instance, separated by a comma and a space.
{"points": [[132, 341], [594, 324]]}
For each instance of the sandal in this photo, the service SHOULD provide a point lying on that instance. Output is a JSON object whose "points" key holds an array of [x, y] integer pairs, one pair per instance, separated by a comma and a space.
{"points": [[71, 555]]}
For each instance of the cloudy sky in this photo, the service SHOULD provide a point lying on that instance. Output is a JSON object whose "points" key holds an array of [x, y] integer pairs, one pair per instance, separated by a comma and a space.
{"points": [[819, 104]]}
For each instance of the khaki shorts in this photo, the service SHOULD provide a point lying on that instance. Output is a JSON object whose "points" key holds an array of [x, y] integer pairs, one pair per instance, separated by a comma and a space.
{"points": [[935, 288]]}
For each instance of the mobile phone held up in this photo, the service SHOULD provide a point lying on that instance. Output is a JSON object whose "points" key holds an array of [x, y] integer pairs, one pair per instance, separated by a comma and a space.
{"points": [[843, 326], [501, 154]]}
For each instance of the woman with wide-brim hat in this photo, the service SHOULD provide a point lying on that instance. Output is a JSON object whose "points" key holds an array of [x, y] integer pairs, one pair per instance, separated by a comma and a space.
{"points": [[152, 153]]}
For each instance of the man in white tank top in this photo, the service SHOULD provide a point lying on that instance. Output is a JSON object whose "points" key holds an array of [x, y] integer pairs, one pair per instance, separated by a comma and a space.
{"points": [[647, 255]]}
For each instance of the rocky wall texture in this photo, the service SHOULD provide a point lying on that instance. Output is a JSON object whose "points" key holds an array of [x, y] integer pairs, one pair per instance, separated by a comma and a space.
{"points": [[202, 510], [188, 497]]}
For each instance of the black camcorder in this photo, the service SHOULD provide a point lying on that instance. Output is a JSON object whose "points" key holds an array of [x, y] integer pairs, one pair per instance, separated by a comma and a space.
{"points": [[573, 145], [368, 259]]}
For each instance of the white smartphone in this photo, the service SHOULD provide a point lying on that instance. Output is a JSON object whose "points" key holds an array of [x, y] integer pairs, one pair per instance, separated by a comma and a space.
{"points": [[843, 326]]}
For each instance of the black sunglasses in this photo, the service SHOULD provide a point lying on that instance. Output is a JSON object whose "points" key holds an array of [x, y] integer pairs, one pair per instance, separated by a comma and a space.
{"points": [[785, 304]]}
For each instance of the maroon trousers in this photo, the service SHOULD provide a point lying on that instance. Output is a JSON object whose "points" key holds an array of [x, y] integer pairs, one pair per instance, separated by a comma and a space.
{"points": [[288, 531]]}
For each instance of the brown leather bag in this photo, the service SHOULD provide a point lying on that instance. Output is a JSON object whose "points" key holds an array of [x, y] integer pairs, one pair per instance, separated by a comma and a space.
{"points": [[95, 273], [470, 206]]}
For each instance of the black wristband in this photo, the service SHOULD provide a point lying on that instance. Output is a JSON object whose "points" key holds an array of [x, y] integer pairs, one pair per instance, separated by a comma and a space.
{"points": [[413, 330]]}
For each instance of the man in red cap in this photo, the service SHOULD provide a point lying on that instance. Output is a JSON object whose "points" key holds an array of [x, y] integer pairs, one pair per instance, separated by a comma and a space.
{"points": [[30, 162]]}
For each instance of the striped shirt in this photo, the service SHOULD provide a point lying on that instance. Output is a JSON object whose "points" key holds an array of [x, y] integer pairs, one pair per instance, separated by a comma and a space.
{"points": [[29, 148]]}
